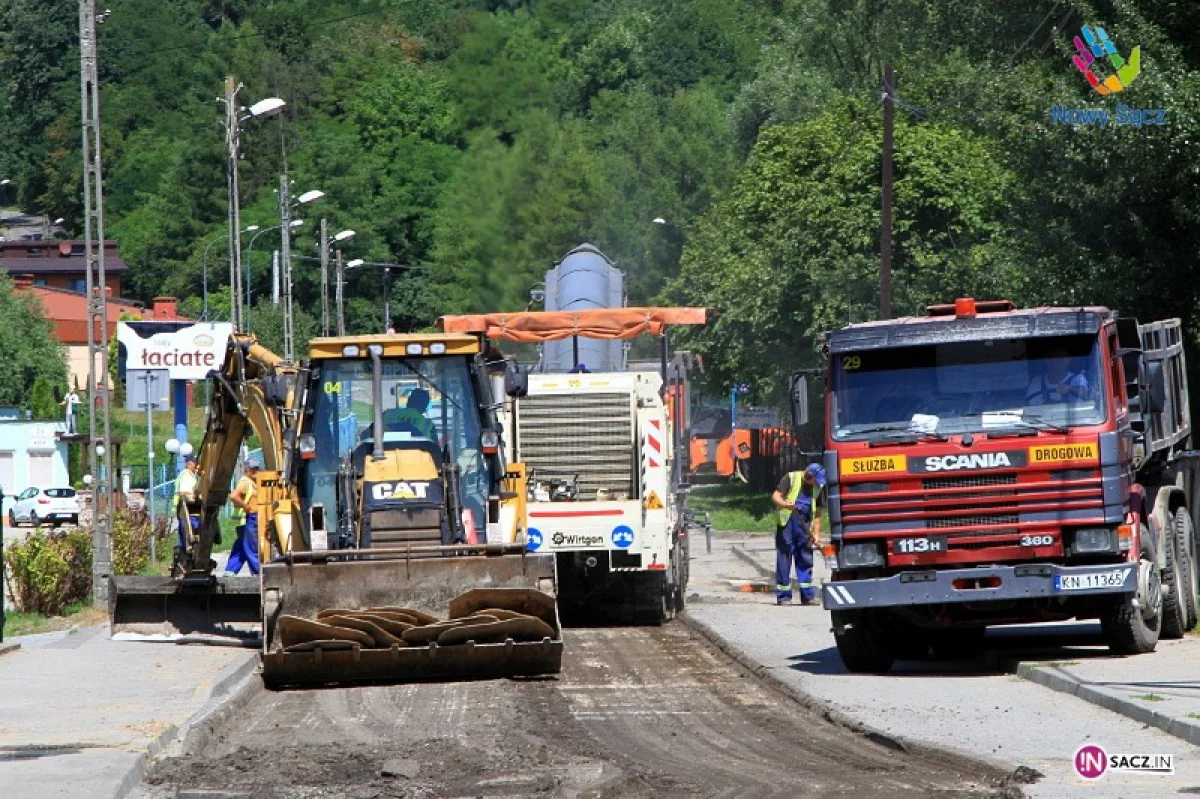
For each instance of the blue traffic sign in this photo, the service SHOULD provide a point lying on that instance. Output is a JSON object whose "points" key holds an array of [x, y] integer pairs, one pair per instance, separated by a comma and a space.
{"points": [[533, 539], [622, 536]]}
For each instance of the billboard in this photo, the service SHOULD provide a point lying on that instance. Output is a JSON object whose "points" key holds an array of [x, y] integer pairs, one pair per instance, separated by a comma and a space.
{"points": [[187, 351]]}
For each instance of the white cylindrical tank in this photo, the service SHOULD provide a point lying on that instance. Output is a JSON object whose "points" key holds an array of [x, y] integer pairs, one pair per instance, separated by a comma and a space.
{"points": [[584, 279]]}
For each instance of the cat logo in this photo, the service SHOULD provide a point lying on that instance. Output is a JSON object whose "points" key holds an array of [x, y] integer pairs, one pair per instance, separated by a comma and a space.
{"points": [[653, 502], [401, 490]]}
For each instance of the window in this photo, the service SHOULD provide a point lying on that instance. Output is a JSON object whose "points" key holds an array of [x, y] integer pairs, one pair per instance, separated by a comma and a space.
{"points": [[60, 493], [39, 281], [77, 284], [78, 249], [33, 252]]}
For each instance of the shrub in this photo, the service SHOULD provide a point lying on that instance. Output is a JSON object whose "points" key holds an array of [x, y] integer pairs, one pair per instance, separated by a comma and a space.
{"points": [[49, 570], [131, 534]]}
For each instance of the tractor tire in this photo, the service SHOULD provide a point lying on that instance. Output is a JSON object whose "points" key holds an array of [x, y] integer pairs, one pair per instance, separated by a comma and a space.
{"points": [[864, 645], [1126, 629], [1185, 555], [1175, 597]]}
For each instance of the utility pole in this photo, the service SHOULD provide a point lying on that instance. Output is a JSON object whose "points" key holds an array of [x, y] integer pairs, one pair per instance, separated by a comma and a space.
{"points": [[285, 216], [99, 452], [885, 228], [340, 292], [324, 277], [235, 223]]}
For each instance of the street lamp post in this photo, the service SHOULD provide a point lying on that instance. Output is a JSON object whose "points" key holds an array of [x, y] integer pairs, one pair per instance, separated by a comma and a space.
{"points": [[233, 124], [285, 224], [340, 236]]}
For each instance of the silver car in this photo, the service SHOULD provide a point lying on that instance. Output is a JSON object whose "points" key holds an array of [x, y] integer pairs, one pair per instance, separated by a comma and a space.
{"points": [[53, 506]]}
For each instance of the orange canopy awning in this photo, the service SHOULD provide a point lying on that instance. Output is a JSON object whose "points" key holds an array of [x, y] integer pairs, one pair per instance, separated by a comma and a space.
{"points": [[603, 323]]}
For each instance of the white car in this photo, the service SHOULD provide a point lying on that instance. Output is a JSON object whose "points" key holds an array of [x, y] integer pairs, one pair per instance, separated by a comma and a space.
{"points": [[53, 506]]}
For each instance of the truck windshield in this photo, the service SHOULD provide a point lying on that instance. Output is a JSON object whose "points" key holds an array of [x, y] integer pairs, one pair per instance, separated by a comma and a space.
{"points": [[425, 400], [969, 386]]}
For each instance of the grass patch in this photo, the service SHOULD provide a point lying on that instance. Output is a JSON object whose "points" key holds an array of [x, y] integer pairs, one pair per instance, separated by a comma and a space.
{"points": [[79, 614], [1193, 715], [735, 507], [1150, 697], [1061, 663]]}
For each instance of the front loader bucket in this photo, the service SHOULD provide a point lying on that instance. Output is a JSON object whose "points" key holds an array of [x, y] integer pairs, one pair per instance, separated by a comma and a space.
{"points": [[358, 580], [166, 606]]}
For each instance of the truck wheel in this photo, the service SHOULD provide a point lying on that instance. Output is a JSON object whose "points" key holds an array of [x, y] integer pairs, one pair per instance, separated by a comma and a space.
{"points": [[1174, 615], [1185, 551], [863, 644], [1130, 629]]}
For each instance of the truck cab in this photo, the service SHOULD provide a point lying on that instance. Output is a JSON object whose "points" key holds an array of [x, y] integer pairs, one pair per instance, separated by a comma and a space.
{"points": [[990, 465]]}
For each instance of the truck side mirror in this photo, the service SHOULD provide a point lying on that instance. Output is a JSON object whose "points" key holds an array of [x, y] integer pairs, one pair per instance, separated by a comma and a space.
{"points": [[1156, 388], [798, 396], [516, 380]]}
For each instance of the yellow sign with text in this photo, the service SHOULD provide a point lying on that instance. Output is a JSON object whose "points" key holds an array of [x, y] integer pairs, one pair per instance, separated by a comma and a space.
{"points": [[1058, 453], [876, 464]]}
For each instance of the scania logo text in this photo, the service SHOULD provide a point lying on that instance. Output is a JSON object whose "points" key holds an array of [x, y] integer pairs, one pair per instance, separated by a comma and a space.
{"points": [[949, 463]]}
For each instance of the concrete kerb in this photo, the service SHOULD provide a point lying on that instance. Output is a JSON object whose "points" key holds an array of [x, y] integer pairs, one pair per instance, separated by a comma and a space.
{"points": [[9, 646], [1056, 680], [230, 684], [1003, 777], [746, 557]]}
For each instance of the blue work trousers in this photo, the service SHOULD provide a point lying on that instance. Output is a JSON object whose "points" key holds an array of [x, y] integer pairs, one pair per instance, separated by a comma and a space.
{"points": [[245, 548], [792, 545], [195, 520]]}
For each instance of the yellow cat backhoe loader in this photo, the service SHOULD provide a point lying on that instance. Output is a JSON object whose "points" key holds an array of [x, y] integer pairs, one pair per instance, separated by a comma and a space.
{"points": [[392, 533]]}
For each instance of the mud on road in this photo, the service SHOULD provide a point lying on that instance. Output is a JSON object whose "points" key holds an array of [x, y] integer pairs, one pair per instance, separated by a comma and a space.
{"points": [[636, 712]]}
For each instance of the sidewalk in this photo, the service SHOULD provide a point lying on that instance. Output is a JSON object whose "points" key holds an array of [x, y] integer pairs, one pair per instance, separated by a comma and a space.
{"points": [[1161, 689], [81, 715], [980, 707]]}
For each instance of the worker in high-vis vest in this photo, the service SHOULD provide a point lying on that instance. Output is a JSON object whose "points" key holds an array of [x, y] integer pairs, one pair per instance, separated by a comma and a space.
{"points": [[411, 418], [186, 483], [245, 518], [798, 500]]}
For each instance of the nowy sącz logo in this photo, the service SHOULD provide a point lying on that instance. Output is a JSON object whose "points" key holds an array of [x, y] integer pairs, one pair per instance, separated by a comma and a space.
{"points": [[1092, 763], [1093, 47], [1098, 46]]}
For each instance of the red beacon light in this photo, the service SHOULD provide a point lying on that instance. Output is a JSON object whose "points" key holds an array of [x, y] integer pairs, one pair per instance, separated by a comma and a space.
{"points": [[964, 307]]}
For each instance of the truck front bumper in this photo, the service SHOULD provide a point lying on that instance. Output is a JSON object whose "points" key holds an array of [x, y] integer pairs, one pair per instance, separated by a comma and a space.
{"points": [[981, 584]]}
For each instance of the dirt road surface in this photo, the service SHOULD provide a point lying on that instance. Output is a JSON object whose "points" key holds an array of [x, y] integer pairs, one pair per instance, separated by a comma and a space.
{"points": [[636, 712]]}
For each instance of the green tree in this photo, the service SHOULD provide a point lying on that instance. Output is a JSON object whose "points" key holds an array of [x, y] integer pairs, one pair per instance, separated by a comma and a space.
{"points": [[799, 234], [29, 350], [42, 403]]}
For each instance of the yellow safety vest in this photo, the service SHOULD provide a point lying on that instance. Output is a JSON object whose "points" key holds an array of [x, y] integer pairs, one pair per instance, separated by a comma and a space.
{"points": [[178, 481], [239, 515], [795, 486]]}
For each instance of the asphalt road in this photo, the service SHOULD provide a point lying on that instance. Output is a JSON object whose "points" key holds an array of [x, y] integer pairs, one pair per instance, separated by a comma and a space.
{"points": [[636, 712], [977, 707]]}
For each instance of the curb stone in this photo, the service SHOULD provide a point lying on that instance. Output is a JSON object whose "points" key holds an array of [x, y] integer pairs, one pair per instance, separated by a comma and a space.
{"points": [[220, 692], [10, 646], [745, 556], [1057, 680]]}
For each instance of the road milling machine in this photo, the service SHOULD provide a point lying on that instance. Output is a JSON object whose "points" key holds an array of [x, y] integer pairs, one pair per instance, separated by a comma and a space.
{"points": [[392, 532], [605, 451]]}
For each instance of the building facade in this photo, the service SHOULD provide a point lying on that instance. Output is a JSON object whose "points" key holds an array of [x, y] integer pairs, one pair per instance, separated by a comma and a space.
{"points": [[32, 454]]}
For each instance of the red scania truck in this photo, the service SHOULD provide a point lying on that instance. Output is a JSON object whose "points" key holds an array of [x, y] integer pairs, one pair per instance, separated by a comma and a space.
{"points": [[989, 465]]}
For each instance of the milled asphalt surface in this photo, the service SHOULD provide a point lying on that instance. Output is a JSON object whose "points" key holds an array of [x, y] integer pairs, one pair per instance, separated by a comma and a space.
{"points": [[977, 708]]}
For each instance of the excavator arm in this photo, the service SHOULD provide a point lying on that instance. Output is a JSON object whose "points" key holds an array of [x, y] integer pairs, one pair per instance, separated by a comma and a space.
{"points": [[251, 393]]}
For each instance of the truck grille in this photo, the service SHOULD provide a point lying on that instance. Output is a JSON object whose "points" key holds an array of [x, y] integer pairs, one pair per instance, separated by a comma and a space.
{"points": [[560, 436], [973, 511]]}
